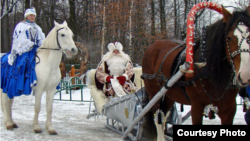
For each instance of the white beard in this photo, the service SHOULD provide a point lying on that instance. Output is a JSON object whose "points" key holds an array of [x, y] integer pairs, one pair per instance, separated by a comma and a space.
{"points": [[116, 65]]}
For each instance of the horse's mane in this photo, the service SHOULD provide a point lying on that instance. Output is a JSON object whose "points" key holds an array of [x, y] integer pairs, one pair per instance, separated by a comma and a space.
{"points": [[218, 68], [50, 39]]}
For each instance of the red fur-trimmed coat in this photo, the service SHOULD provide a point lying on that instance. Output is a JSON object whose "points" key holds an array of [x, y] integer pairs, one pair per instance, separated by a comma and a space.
{"points": [[102, 72]]}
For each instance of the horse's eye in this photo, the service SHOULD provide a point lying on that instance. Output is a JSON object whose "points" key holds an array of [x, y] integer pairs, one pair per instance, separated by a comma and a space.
{"points": [[229, 38], [63, 35]]}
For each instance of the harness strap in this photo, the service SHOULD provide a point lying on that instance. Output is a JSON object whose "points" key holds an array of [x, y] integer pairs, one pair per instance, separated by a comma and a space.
{"points": [[159, 75]]}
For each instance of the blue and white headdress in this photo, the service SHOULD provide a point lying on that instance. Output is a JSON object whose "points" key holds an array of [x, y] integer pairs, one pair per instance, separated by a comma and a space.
{"points": [[29, 11]]}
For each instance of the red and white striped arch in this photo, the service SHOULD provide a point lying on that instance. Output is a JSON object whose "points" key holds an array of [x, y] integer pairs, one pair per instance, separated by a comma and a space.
{"points": [[190, 29]]}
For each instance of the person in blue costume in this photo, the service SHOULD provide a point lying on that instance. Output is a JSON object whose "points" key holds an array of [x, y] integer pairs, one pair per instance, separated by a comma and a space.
{"points": [[18, 66], [245, 94]]}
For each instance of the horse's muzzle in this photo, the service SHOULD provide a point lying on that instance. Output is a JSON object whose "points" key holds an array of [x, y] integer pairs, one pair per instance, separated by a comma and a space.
{"points": [[240, 81], [73, 51]]}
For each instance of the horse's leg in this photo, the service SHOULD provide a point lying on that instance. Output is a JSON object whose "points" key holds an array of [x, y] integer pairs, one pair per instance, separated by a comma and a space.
{"points": [[6, 108], [49, 106], [196, 113], [38, 95], [227, 115]]}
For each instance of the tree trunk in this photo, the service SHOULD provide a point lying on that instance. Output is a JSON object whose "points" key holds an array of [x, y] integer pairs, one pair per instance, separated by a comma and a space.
{"points": [[35, 4], [72, 18], [130, 29], [162, 19], [175, 19], [27, 4], [153, 38], [2, 26], [103, 28]]}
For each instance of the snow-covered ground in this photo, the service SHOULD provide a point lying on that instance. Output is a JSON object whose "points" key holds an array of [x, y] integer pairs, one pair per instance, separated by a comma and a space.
{"points": [[69, 120]]}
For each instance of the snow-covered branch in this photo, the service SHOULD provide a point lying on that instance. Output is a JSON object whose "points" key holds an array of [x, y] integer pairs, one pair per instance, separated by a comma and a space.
{"points": [[9, 10]]}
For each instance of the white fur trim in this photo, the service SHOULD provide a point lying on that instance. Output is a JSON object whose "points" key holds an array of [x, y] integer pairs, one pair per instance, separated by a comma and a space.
{"points": [[126, 76], [118, 46], [105, 78], [29, 12], [111, 47], [91, 77], [98, 97], [138, 81]]}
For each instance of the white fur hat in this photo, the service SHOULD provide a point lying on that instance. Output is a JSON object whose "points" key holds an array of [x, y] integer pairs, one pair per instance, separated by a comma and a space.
{"points": [[115, 45], [29, 11]]}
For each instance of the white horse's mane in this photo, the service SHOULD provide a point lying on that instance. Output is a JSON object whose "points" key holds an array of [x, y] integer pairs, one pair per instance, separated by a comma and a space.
{"points": [[50, 39]]}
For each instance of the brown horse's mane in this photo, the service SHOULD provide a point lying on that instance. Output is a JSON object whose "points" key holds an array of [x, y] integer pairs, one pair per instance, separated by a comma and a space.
{"points": [[218, 68]]}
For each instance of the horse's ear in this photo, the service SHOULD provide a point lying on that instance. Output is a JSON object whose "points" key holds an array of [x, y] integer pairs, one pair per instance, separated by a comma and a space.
{"points": [[56, 25], [65, 23], [227, 15]]}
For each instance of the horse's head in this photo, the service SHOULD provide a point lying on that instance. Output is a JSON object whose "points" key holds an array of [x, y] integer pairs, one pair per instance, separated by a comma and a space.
{"points": [[238, 43], [65, 39]]}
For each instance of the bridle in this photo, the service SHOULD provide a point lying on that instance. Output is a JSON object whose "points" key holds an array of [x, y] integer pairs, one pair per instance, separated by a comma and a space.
{"points": [[239, 50], [58, 44]]}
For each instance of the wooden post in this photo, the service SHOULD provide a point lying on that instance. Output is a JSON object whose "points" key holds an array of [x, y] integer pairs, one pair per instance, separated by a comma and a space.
{"points": [[73, 73]]}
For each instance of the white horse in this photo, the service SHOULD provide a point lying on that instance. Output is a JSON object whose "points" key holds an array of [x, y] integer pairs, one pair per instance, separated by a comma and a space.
{"points": [[48, 75]]}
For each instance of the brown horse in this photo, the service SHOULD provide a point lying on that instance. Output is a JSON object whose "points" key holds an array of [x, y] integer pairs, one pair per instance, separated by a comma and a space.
{"points": [[226, 57]]}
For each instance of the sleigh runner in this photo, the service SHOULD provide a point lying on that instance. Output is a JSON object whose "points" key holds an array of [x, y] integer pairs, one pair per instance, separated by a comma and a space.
{"points": [[121, 111]]}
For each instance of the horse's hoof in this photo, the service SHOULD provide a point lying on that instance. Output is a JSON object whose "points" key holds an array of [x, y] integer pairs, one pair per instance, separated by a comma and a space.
{"points": [[38, 130], [52, 132], [9, 128], [14, 125]]}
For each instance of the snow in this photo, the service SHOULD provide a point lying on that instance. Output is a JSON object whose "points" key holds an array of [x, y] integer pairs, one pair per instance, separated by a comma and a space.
{"points": [[69, 120], [1, 54]]}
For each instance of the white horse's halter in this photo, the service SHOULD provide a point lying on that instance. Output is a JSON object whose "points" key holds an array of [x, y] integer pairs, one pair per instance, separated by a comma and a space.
{"points": [[57, 42]]}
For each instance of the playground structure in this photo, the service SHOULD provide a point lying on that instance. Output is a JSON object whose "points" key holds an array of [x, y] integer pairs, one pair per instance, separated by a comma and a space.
{"points": [[81, 58], [69, 85]]}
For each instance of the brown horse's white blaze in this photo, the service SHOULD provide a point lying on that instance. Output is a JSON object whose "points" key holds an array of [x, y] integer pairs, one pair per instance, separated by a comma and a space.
{"points": [[243, 74]]}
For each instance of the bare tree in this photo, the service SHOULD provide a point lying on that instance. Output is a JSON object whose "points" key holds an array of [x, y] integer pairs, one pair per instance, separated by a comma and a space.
{"points": [[163, 19], [152, 21], [103, 27], [10, 9], [130, 27], [27, 4], [72, 18]]}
